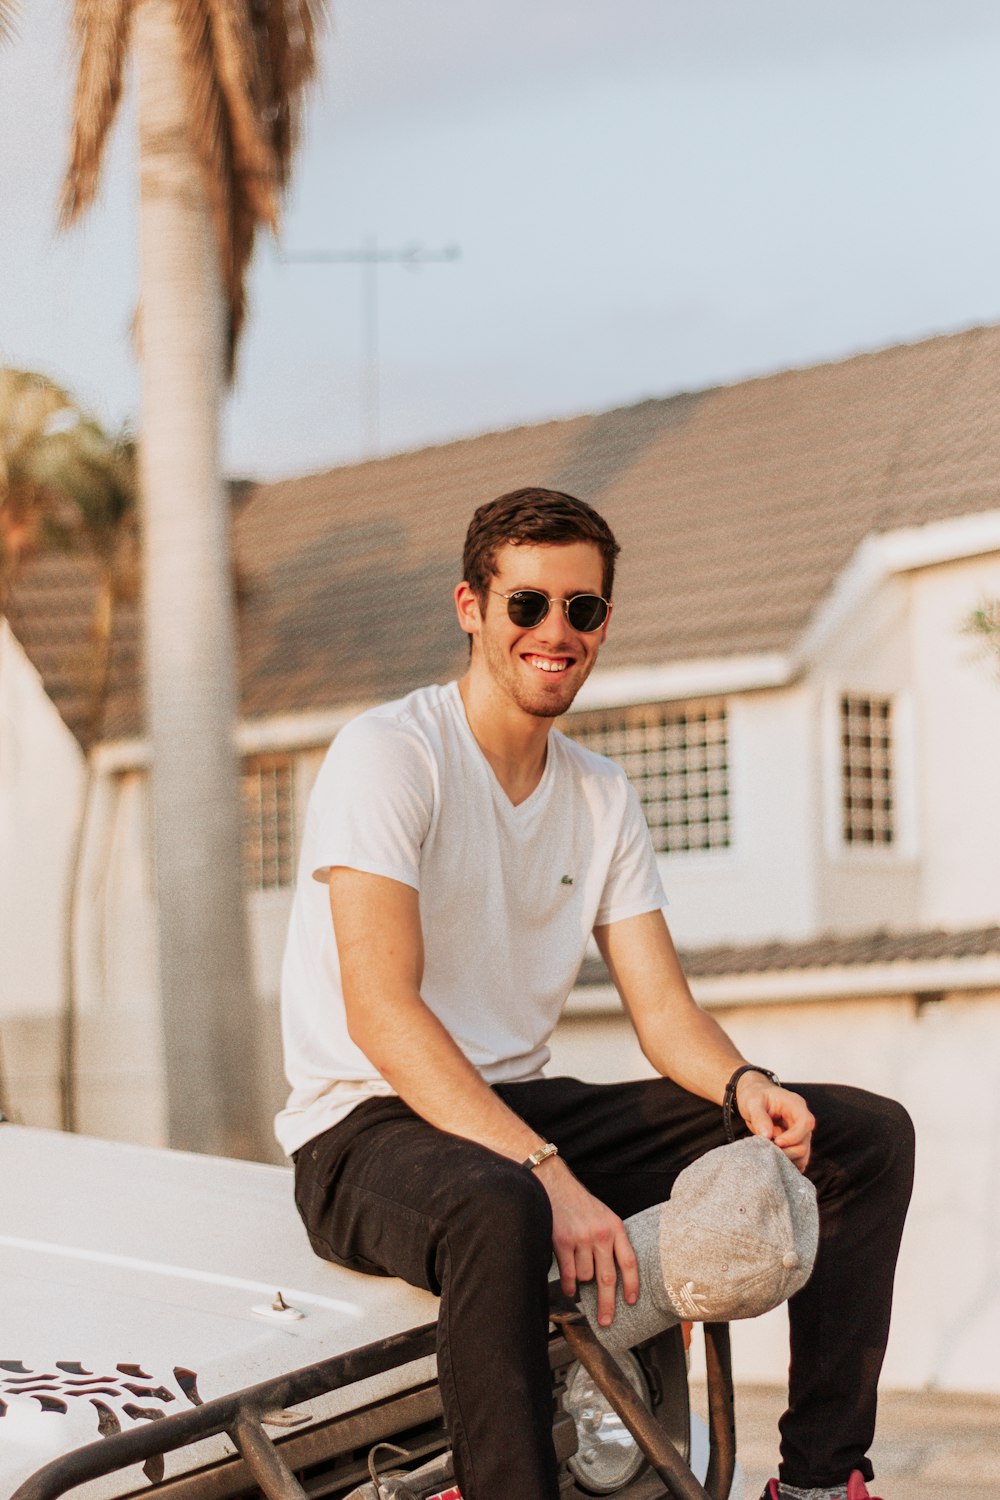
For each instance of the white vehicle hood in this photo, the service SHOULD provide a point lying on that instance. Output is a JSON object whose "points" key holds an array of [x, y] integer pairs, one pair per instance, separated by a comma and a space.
{"points": [[132, 1276]]}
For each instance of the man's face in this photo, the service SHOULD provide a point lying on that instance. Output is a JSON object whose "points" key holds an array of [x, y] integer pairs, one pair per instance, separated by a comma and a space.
{"points": [[540, 669]]}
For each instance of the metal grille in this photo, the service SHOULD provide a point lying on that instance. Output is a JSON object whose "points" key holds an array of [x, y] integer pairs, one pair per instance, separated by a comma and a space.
{"points": [[269, 822], [326, 1455], [677, 758], [866, 770]]}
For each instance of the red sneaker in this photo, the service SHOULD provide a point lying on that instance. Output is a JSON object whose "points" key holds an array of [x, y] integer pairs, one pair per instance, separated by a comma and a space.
{"points": [[856, 1489]]}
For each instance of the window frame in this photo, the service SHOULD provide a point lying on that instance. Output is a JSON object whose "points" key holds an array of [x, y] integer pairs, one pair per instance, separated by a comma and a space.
{"points": [[905, 843], [287, 839], [624, 718], [871, 767]]}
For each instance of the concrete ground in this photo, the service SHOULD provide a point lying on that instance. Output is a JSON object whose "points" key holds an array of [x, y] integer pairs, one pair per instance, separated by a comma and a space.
{"points": [[929, 1446]]}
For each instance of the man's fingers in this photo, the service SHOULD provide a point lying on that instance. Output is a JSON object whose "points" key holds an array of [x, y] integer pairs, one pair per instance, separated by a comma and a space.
{"points": [[591, 1244], [795, 1140], [795, 1136], [780, 1116], [614, 1257], [628, 1266], [566, 1261], [606, 1277], [798, 1154], [784, 1118], [759, 1122], [585, 1263]]}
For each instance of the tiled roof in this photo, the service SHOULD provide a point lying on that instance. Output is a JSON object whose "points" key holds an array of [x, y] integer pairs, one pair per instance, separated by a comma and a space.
{"points": [[51, 612], [824, 952], [737, 508]]}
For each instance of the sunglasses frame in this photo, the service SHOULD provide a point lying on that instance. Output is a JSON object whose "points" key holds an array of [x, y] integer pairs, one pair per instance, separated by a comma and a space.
{"points": [[550, 600]]}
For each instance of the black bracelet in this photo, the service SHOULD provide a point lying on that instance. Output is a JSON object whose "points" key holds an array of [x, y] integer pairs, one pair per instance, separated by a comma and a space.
{"points": [[729, 1098]]}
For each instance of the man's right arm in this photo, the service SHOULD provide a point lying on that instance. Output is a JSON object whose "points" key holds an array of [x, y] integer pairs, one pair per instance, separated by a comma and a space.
{"points": [[380, 946]]}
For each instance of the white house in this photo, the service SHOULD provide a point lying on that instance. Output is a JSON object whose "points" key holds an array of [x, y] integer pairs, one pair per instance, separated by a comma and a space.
{"points": [[788, 680]]}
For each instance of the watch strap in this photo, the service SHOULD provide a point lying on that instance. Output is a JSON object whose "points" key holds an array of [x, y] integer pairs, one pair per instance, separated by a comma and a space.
{"points": [[542, 1154], [729, 1098]]}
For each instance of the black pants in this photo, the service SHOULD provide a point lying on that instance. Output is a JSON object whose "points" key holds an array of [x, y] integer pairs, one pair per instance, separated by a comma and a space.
{"points": [[385, 1192]]}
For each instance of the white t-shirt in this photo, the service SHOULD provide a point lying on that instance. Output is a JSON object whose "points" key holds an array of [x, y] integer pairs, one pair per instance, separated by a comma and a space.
{"points": [[508, 895]]}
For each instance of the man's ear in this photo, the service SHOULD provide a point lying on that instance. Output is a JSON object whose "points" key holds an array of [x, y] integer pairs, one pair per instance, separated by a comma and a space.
{"points": [[467, 608]]}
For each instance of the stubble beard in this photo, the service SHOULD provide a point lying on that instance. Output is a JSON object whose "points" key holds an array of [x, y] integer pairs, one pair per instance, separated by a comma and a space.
{"points": [[545, 704]]}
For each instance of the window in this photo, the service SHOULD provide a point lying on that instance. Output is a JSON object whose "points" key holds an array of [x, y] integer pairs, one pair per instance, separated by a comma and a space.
{"points": [[677, 758], [269, 822], [867, 805]]}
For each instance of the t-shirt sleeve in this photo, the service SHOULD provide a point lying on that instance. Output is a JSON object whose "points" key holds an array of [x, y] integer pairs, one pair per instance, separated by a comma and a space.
{"points": [[373, 801], [633, 883]]}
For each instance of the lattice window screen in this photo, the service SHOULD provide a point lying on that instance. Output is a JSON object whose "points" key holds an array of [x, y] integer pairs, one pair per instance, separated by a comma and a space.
{"points": [[677, 758], [269, 822], [867, 801]]}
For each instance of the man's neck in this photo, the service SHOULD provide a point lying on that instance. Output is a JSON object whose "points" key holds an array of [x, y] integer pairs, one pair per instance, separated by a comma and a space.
{"points": [[514, 742]]}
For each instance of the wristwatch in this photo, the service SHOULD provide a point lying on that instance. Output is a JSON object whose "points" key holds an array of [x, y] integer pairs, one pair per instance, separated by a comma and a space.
{"points": [[729, 1100], [542, 1154]]}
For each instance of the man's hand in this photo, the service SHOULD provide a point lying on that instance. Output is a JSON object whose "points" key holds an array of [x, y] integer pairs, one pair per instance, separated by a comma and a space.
{"points": [[778, 1115], [590, 1242]]}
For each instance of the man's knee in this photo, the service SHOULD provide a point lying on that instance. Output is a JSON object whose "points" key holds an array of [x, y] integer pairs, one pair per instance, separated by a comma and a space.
{"points": [[865, 1134], [503, 1212]]}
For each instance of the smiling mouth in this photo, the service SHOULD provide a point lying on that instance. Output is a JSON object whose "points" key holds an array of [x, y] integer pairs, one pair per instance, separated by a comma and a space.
{"points": [[550, 665]]}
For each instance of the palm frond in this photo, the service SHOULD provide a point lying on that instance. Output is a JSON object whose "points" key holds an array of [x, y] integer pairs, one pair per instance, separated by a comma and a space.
{"points": [[291, 30], [8, 18], [984, 622], [100, 37], [61, 476], [247, 63], [240, 54], [208, 123]]}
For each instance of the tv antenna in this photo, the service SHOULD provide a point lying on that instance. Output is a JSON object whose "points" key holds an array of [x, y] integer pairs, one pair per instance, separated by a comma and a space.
{"points": [[371, 256]]}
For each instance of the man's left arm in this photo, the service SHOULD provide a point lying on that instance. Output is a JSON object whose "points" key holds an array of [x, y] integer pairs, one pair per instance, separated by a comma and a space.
{"points": [[686, 1044]]}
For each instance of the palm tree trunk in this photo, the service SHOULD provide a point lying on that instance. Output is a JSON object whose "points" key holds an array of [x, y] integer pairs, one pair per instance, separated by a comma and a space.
{"points": [[68, 1018], [102, 627], [209, 1010]]}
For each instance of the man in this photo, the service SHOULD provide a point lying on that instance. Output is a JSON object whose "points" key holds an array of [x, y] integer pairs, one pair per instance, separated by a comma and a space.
{"points": [[465, 852]]}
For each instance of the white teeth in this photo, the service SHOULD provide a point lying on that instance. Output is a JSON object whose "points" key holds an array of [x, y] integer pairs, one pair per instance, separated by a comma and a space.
{"points": [[545, 665]]}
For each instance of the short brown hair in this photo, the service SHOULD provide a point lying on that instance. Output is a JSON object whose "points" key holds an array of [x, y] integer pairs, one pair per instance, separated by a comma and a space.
{"points": [[542, 517]]}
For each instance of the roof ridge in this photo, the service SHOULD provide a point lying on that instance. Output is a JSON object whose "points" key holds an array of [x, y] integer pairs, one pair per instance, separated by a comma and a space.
{"points": [[761, 377], [826, 950]]}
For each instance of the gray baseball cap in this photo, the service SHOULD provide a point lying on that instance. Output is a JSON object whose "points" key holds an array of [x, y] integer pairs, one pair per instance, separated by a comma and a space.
{"points": [[737, 1236]]}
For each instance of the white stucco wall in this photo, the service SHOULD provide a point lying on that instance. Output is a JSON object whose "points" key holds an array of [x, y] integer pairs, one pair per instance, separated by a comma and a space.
{"points": [[863, 887], [943, 1062], [119, 1064], [41, 775], [957, 694], [269, 911], [789, 873], [764, 886], [116, 934]]}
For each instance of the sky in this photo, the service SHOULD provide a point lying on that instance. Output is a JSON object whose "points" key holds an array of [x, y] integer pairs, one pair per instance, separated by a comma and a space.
{"points": [[646, 196]]}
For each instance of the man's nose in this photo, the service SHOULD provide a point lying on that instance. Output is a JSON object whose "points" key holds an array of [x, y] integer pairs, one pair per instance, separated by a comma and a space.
{"points": [[555, 628]]}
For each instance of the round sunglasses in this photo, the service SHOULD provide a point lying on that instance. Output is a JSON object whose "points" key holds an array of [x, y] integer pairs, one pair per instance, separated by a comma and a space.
{"points": [[527, 608]]}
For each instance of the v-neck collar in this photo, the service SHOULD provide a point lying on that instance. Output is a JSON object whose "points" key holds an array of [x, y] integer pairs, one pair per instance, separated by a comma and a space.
{"points": [[516, 810]]}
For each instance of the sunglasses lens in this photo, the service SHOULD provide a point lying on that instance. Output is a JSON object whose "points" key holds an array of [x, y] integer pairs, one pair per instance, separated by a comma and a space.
{"points": [[587, 612], [527, 607]]}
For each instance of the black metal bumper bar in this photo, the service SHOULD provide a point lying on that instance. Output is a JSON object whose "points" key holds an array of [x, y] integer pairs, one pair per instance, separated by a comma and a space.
{"points": [[661, 1454], [242, 1416]]}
